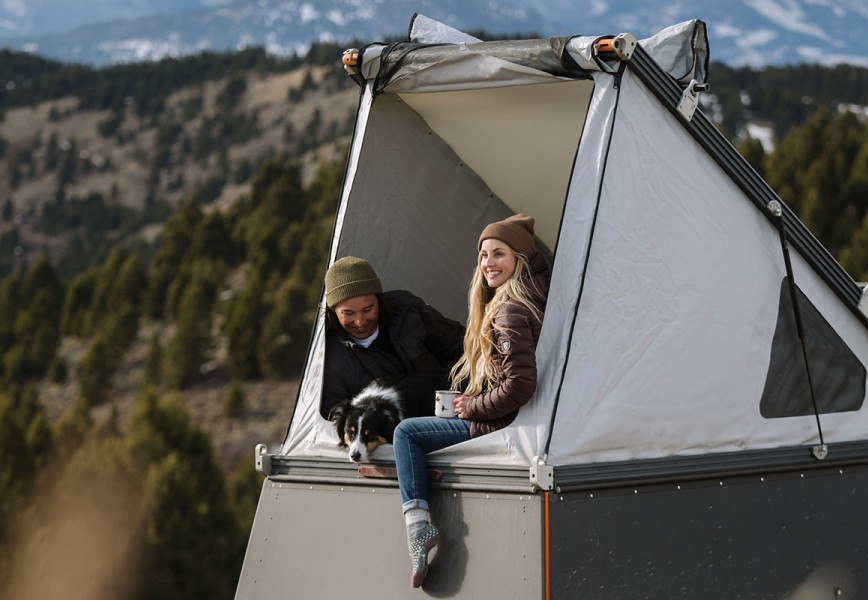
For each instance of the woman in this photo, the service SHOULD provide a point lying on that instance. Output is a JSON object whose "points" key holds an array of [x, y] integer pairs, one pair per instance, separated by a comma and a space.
{"points": [[497, 371]]}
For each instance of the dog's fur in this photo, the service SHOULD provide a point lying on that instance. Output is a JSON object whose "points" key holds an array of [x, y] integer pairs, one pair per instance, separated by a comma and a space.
{"points": [[368, 420]]}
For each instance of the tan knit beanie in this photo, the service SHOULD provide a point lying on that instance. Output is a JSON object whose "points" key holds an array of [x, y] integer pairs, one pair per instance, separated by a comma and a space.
{"points": [[516, 231], [349, 277]]}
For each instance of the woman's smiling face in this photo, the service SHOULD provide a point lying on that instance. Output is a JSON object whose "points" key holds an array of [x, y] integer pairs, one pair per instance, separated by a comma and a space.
{"points": [[497, 261]]}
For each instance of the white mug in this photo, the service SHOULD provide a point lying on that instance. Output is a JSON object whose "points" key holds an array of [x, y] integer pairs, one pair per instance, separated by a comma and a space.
{"points": [[443, 406]]}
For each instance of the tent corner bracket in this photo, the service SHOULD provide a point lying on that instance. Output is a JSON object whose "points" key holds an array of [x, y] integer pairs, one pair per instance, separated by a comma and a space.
{"points": [[262, 459], [542, 476]]}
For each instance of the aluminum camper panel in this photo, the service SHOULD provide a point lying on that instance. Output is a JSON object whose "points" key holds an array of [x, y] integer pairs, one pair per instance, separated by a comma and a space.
{"points": [[798, 534], [339, 541]]}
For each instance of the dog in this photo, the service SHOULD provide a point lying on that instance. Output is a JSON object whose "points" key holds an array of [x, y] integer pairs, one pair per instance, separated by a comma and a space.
{"points": [[368, 420]]}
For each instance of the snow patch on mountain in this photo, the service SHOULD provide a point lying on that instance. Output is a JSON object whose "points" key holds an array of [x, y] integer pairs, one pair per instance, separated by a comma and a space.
{"points": [[741, 32]]}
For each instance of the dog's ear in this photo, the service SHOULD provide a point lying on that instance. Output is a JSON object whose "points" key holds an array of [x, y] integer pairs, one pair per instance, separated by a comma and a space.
{"points": [[390, 422], [338, 415], [338, 412], [388, 418]]}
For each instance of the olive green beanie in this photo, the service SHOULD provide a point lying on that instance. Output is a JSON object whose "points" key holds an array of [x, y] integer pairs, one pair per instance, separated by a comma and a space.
{"points": [[349, 277]]}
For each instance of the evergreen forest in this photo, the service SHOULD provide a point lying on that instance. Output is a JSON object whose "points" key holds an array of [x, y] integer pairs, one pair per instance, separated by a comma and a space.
{"points": [[163, 237]]}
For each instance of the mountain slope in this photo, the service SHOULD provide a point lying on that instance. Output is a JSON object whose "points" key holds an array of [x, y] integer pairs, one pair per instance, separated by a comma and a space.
{"points": [[745, 32]]}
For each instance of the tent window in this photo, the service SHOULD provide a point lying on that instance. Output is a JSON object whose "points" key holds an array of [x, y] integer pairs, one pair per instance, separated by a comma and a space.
{"points": [[837, 374]]}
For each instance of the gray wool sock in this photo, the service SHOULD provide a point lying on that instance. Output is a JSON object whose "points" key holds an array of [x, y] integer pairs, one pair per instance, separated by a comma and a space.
{"points": [[414, 515], [421, 537]]}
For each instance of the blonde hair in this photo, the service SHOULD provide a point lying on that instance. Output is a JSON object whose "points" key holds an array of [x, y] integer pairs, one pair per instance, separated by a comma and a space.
{"points": [[475, 369]]}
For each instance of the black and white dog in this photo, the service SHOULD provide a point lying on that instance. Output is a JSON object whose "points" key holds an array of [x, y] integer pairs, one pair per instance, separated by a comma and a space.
{"points": [[368, 420]]}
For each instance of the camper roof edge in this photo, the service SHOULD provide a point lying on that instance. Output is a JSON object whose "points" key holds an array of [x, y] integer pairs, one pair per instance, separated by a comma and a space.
{"points": [[319, 470], [705, 467]]}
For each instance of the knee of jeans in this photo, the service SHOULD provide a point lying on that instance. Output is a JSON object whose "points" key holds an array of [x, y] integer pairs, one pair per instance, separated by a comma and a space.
{"points": [[400, 433]]}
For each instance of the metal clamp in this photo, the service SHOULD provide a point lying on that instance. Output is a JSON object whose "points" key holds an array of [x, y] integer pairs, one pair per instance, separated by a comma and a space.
{"points": [[690, 98], [262, 459], [775, 208], [542, 476], [350, 59], [863, 302], [820, 451]]}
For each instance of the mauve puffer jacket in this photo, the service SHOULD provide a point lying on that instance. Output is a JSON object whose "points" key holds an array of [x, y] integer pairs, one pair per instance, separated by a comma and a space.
{"points": [[515, 359]]}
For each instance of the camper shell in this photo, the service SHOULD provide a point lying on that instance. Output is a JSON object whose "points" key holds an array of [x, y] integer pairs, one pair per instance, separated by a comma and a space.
{"points": [[698, 428]]}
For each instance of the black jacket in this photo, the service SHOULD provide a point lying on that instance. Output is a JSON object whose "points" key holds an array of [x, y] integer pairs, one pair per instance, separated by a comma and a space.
{"points": [[414, 338]]}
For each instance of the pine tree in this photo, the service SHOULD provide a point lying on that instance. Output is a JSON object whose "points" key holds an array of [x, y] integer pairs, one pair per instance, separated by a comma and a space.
{"points": [[812, 171], [128, 290], [10, 305], [242, 328], [25, 445], [185, 351], [154, 361], [174, 244], [193, 546], [77, 303], [277, 202], [95, 371], [286, 330], [212, 239], [36, 330]]}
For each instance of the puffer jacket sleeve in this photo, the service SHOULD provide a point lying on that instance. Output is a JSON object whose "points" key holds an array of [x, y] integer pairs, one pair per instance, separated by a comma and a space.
{"points": [[516, 348]]}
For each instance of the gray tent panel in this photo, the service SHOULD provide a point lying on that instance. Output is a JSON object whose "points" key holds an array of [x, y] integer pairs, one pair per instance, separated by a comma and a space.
{"points": [[391, 218]]}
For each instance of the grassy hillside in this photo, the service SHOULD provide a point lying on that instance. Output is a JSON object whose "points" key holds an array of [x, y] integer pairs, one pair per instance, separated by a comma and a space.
{"points": [[71, 171]]}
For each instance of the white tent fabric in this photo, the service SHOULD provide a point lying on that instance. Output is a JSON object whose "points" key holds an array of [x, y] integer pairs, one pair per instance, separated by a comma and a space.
{"points": [[672, 341], [664, 297]]}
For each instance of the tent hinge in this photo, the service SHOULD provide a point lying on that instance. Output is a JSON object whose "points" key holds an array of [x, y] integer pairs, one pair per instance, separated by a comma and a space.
{"points": [[820, 451], [542, 476], [690, 98], [863, 302], [262, 459], [775, 208], [621, 46]]}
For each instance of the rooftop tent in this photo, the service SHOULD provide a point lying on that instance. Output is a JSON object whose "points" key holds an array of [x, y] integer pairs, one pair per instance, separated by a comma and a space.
{"points": [[674, 439], [670, 328]]}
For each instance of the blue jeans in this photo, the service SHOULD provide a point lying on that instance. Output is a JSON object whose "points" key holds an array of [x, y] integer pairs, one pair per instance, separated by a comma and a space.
{"points": [[413, 439]]}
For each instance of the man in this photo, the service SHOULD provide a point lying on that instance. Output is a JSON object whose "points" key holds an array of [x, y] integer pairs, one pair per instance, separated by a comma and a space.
{"points": [[372, 334]]}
